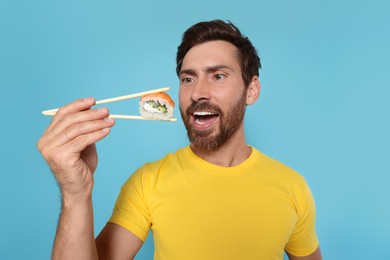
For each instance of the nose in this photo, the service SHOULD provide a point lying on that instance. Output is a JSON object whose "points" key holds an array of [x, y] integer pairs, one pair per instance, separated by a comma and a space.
{"points": [[201, 91]]}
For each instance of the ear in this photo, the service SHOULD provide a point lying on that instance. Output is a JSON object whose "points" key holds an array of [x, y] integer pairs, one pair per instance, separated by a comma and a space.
{"points": [[253, 91]]}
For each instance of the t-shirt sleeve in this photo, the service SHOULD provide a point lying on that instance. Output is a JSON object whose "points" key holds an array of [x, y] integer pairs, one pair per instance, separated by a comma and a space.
{"points": [[131, 209], [304, 240]]}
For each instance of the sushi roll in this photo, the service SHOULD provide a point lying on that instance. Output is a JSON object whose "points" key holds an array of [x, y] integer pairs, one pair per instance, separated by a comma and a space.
{"points": [[156, 106]]}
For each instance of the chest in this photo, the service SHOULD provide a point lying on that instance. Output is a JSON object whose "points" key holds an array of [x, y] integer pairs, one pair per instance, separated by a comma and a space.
{"points": [[223, 213]]}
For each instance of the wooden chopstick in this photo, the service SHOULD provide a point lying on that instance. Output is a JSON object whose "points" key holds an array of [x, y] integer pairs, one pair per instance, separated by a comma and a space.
{"points": [[125, 117], [140, 118], [114, 99]]}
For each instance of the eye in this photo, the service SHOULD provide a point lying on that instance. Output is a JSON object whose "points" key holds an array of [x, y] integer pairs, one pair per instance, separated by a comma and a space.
{"points": [[219, 76], [186, 80]]}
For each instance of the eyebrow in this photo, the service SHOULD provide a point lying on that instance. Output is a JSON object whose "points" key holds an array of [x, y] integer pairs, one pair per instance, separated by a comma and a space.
{"points": [[217, 67], [209, 69], [187, 71]]}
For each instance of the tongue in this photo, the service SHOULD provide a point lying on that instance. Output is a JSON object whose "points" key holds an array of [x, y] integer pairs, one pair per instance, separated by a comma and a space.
{"points": [[202, 120]]}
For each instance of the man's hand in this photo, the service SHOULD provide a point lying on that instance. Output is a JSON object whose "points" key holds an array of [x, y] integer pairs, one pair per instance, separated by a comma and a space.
{"points": [[68, 145]]}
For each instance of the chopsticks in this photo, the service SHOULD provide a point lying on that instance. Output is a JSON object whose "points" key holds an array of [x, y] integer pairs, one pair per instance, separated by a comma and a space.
{"points": [[140, 118], [52, 112]]}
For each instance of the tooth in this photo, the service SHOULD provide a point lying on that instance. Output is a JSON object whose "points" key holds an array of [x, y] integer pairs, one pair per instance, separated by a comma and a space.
{"points": [[203, 113]]}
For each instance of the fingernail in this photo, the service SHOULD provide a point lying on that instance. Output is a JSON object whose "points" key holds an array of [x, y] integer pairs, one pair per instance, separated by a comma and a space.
{"points": [[88, 100], [102, 110]]}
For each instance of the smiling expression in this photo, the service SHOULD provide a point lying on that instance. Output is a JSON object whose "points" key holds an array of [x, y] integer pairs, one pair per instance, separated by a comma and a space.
{"points": [[212, 94]]}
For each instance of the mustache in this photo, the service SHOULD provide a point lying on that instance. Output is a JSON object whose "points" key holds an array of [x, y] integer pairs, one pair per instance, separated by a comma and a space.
{"points": [[205, 105]]}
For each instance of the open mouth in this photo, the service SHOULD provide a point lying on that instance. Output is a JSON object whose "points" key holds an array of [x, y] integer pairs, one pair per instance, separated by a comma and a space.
{"points": [[204, 119]]}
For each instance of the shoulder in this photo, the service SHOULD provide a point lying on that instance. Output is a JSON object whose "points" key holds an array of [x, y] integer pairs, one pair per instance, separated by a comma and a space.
{"points": [[283, 177], [151, 170], [146, 177], [289, 181], [275, 167], [166, 161]]}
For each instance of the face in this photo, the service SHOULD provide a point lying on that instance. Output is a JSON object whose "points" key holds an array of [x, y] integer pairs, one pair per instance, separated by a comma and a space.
{"points": [[212, 95]]}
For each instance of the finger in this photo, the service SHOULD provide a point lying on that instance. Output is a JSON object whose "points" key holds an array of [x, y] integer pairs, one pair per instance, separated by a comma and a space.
{"points": [[83, 141], [51, 137], [58, 154], [83, 128], [75, 106], [76, 118]]}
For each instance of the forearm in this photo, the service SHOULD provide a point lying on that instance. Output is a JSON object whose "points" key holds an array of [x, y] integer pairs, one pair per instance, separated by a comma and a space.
{"points": [[68, 146], [75, 232]]}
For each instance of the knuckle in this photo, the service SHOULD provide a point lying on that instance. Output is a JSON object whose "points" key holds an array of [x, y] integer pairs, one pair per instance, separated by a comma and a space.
{"points": [[43, 149], [71, 130], [80, 140], [39, 145], [60, 111], [42, 142], [46, 153], [75, 130]]}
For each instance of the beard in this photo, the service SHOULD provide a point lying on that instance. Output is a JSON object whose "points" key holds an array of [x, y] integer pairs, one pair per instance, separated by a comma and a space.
{"points": [[229, 122]]}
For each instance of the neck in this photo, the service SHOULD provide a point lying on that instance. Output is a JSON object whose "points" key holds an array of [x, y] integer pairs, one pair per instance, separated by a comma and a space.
{"points": [[232, 153]]}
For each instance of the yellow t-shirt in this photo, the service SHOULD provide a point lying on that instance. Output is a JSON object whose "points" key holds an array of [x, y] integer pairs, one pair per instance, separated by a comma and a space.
{"points": [[198, 210]]}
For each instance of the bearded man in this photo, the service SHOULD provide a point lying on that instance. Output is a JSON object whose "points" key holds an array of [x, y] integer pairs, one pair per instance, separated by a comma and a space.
{"points": [[218, 198]]}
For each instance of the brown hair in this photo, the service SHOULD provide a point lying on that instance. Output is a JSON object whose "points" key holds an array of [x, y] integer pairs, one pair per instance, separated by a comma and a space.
{"points": [[219, 30]]}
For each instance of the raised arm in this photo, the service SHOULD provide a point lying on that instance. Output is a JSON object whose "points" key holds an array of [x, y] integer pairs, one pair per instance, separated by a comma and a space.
{"points": [[68, 145]]}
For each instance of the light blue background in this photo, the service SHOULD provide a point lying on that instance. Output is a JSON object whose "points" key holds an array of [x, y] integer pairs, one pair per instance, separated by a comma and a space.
{"points": [[324, 106]]}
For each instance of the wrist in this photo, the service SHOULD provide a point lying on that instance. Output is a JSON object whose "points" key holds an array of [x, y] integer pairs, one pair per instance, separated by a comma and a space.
{"points": [[72, 200], [76, 194]]}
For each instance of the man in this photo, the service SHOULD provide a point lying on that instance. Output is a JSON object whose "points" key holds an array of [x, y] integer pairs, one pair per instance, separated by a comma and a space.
{"points": [[218, 198]]}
